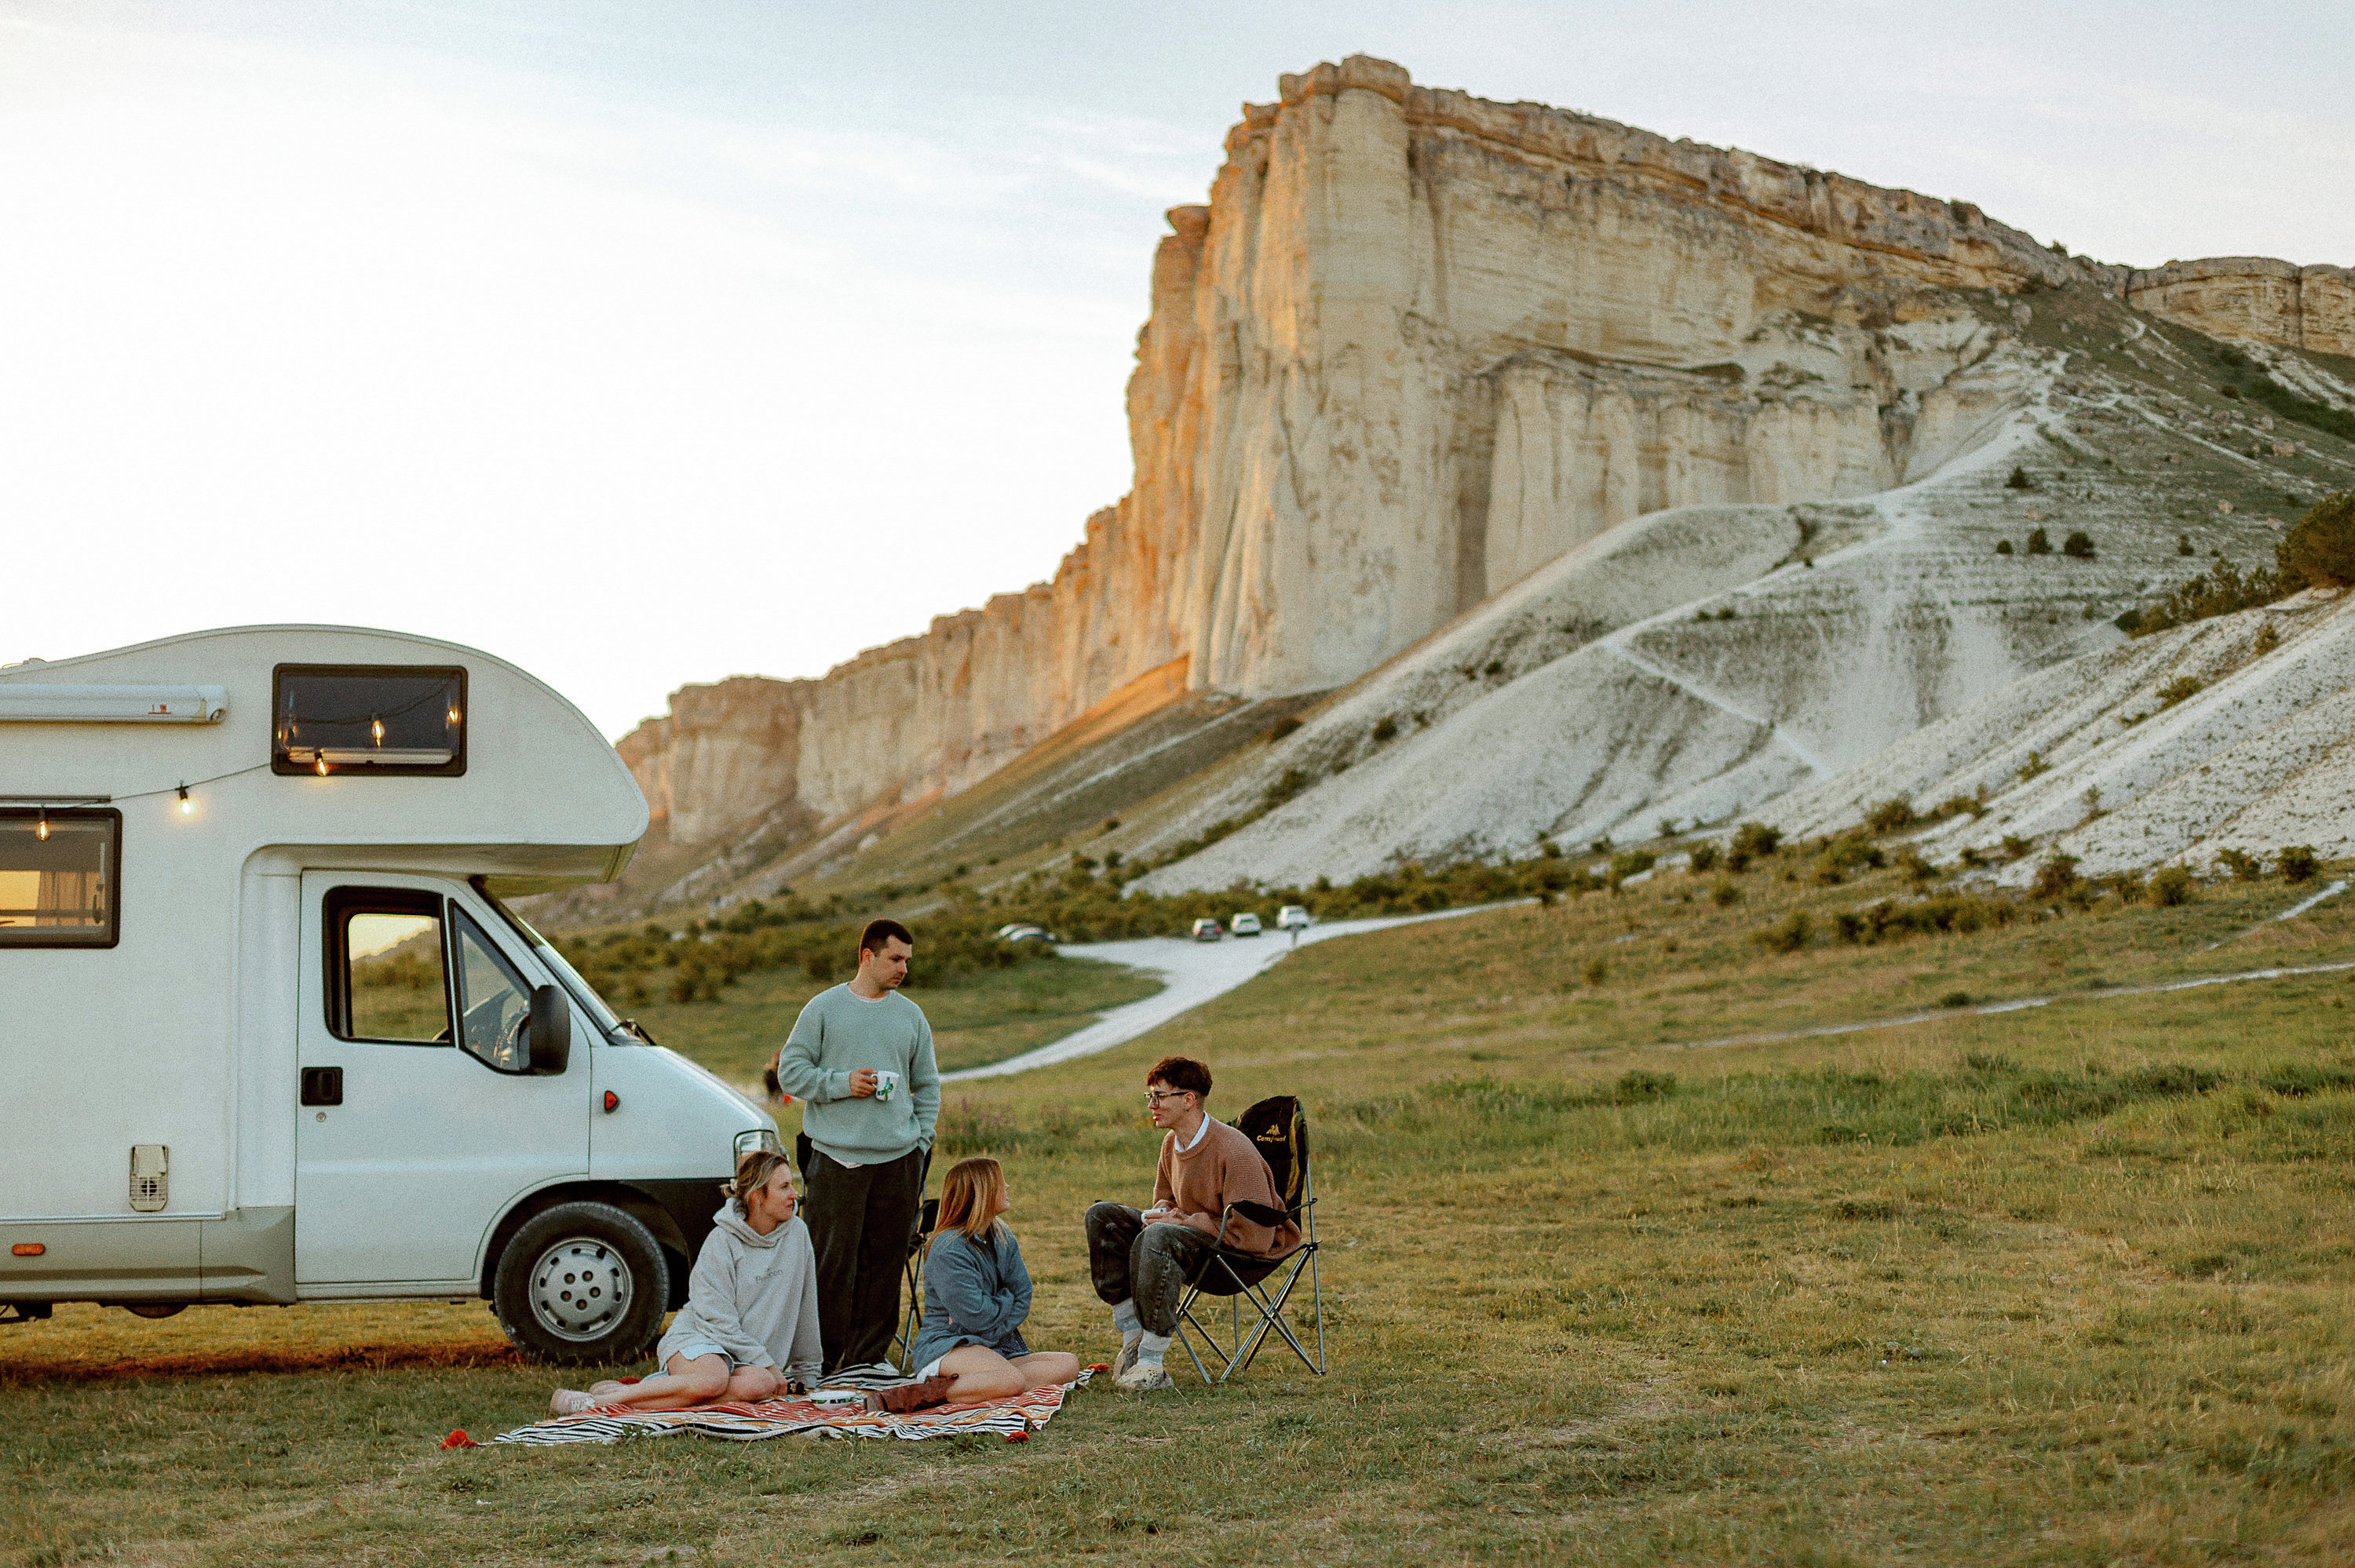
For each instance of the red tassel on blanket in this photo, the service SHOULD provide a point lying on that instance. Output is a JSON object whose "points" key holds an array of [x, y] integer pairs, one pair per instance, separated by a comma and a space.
{"points": [[459, 1439], [1018, 1436]]}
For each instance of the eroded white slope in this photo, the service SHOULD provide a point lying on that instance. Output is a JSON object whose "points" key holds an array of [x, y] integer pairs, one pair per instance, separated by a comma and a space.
{"points": [[2260, 755], [1851, 626]]}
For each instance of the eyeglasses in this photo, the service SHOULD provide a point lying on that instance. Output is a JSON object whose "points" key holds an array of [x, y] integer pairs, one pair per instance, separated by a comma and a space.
{"points": [[1155, 1096]]}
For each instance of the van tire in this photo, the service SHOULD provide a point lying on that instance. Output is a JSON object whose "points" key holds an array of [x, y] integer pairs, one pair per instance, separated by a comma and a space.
{"points": [[614, 1255]]}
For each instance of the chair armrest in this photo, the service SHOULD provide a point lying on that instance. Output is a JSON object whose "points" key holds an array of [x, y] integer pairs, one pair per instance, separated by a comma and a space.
{"points": [[1257, 1213]]}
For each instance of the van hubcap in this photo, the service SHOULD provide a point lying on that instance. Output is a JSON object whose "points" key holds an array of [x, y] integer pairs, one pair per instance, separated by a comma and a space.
{"points": [[579, 1288]]}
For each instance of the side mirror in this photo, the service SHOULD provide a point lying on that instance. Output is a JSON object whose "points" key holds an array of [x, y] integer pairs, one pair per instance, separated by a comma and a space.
{"points": [[550, 1030]]}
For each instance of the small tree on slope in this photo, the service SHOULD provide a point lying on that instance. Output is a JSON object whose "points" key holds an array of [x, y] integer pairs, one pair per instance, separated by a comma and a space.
{"points": [[2319, 552]]}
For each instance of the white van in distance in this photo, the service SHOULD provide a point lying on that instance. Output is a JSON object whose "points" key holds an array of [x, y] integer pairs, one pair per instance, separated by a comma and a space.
{"points": [[276, 1034]]}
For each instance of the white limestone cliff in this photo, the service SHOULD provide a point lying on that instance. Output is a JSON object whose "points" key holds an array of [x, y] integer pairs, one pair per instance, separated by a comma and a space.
{"points": [[1416, 346]]}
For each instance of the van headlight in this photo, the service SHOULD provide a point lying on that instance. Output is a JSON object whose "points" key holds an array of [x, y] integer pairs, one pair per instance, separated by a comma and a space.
{"points": [[757, 1138]]}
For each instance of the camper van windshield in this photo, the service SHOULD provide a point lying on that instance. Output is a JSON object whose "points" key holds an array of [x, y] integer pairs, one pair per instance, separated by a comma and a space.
{"points": [[369, 718], [583, 991]]}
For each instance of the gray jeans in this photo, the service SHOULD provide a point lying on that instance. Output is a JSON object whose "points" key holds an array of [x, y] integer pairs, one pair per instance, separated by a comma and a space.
{"points": [[1128, 1257]]}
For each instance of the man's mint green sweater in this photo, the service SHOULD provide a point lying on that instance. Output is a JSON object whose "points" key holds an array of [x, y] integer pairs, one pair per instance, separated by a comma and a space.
{"points": [[837, 1034]]}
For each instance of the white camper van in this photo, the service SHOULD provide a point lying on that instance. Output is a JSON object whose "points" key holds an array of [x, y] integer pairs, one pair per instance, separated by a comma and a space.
{"points": [[270, 1032]]}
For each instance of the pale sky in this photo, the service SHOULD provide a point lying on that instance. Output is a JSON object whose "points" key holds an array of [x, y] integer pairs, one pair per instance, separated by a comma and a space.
{"points": [[643, 344]]}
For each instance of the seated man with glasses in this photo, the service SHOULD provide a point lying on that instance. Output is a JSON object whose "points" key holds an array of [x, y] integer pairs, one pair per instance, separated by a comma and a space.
{"points": [[1141, 1262]]}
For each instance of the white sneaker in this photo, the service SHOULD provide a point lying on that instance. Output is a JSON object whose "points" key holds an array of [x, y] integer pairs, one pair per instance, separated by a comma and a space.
{"points": [[570, 1401], [1128, 1356], [1144, 1377]]}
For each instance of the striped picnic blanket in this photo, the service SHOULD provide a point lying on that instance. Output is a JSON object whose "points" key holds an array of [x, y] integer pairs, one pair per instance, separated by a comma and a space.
{"points": [[1014, 1416]]}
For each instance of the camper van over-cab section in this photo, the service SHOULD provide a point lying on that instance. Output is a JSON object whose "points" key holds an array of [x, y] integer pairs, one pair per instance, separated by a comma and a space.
{"points": [[288, 1040]]}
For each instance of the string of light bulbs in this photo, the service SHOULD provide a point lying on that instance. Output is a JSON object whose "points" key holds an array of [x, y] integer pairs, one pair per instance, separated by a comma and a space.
{"points": [[186, 802]]}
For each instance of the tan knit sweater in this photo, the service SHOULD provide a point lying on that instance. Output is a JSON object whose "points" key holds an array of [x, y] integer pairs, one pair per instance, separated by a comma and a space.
{"points": [[1221, 1167]]}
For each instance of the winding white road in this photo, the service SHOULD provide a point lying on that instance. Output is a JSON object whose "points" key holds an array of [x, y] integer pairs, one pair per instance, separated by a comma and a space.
{"points": [[1195, 972]]}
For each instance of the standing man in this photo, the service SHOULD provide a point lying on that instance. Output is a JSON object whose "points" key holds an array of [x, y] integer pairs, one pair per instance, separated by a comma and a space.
{"points": [[861, 1061], [1140, 1262]]}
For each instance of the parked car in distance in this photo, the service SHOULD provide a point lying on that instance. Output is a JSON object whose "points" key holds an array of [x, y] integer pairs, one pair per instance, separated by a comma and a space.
{"points": [[1207, 930], [1244, 924], [1292, 917], [1019, 932]]}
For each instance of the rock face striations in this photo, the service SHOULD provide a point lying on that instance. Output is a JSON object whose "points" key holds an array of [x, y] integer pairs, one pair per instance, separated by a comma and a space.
{"points": [[1417, 347]]}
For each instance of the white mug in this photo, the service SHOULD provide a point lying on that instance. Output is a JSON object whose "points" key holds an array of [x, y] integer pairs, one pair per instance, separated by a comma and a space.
{"points": [[887, 1085]]}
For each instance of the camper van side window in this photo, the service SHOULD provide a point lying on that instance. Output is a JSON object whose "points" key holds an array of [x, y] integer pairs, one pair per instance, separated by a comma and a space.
{"points": [[368, 719], [386, 976], [59, 872], [495, 1005]]}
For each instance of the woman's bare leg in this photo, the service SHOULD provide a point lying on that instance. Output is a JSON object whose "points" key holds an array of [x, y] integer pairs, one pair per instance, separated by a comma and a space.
{"points": [[750, 1385], [981, 1373], [703, 1380], [1040, 1368]]}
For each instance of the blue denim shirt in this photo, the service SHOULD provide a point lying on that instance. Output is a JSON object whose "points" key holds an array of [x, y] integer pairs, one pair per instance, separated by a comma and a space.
{"points": [[975, 1293]]}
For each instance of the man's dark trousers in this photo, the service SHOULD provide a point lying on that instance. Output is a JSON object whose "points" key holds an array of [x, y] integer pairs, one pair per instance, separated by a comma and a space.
{"points": [[861, 1219], [1128, 1260]]}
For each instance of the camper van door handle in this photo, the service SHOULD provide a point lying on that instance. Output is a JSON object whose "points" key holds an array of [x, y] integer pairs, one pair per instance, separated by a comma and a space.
{"points": [[323, 1086]]}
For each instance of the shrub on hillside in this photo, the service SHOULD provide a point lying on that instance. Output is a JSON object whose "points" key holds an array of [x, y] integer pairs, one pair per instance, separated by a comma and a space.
{"points": [[1787, 935], [1756, 839], [1628, 863], [2181, 688], [2320, 551], [2296, 863], [2223, 589], [1704, 856], [2245, 866], [2171, 885], [1726, 893], [2078, 545], [2038, 542], [2055, 875], [1287, 785], [1890, 815]]}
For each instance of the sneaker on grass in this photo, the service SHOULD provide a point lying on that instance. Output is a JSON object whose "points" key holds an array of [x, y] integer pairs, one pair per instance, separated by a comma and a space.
{"points": [[1144, 1377], [1128, 1356], [570, 1401]]}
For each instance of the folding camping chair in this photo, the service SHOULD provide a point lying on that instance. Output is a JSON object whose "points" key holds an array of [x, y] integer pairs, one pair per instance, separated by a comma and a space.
{"points": [[903, 1343], [1278, 1129]]}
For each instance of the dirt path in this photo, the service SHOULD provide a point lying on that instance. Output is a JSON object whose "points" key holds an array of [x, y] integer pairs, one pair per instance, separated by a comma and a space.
{"points": [[1194, 972]]}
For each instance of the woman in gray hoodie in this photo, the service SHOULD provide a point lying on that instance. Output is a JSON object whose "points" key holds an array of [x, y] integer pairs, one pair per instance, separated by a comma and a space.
{"points": [[748, 1329]]}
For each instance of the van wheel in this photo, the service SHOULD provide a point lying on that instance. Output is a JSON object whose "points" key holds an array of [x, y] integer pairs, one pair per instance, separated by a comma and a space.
{"points": [[581, 1283]]}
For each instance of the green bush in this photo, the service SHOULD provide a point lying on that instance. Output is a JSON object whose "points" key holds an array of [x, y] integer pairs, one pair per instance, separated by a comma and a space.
{"points": [[2078, 545], [2245, 866], [2296, 863], [2181, 688], [2221, 589], [2038, 544], [1787, 935], [1756, 841], [2055, 875], [1704, 856], [2171, 885], [1890, 815], [1629, 863], [2320, 551]]}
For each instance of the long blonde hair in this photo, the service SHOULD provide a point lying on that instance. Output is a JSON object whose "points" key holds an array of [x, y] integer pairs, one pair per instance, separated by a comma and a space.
{"points": [[972, 1195], [753, 1169]]}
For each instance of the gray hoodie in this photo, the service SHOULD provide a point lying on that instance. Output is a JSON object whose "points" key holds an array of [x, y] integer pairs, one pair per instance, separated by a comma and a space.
{"points": [[754, 1296]]}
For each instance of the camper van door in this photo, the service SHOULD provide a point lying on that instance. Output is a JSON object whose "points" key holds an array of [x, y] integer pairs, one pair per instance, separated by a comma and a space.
{"points": [[421, 1123]]}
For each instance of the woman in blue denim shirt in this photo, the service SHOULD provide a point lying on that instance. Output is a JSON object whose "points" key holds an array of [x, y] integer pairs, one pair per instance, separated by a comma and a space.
{"points": [[976, 1294]]}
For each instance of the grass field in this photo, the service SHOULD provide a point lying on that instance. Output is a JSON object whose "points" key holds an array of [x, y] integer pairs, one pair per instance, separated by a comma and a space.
{"points": [[2063, 1285]]}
